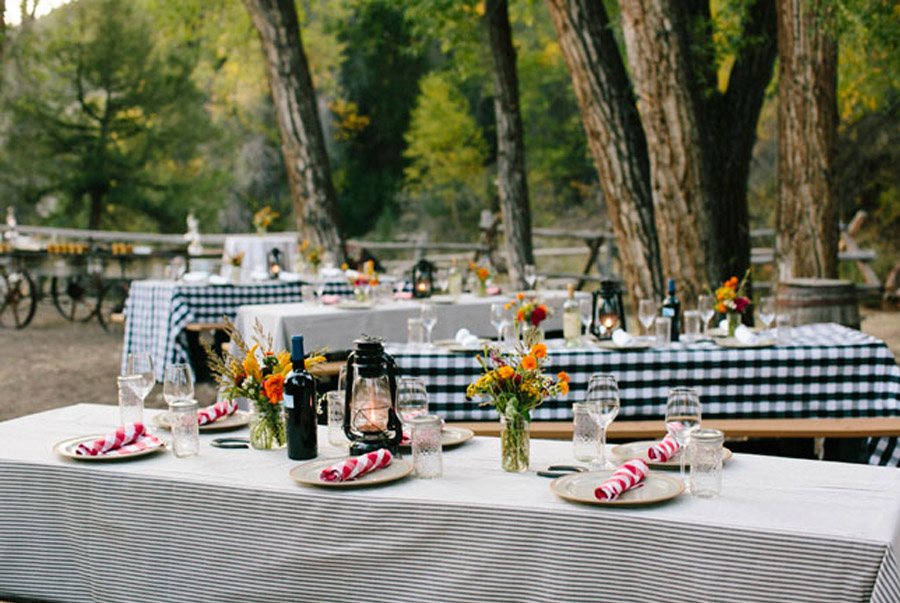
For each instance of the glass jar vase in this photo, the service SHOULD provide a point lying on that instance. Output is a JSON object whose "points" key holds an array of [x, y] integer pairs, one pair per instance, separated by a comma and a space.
{"points": [[514, 443], [267, 428], [734, 319]]}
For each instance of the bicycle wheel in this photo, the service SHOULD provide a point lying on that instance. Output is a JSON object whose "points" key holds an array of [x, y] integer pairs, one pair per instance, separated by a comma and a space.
{"points": [[18, 299], [76, 297], [112, 303]]}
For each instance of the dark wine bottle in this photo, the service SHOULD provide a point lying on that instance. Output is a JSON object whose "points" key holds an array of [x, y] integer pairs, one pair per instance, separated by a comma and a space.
{"points": [[300, 406], [672, 309]]}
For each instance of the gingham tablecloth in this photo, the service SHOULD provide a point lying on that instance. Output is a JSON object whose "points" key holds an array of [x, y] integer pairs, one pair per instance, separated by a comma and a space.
{"points": [[827, 371], [157, 312]]}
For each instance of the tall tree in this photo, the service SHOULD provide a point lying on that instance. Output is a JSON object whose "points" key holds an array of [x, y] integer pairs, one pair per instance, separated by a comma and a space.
{"points": [[302, 141], [512, 186], [807, 238]]}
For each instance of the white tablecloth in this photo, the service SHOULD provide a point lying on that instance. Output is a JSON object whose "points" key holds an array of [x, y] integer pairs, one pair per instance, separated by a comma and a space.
{"points": [[230, 525], [256, 249], [335, 328]]}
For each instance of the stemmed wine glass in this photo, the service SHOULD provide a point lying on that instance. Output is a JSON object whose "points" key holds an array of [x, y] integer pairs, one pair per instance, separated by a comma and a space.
{"points": [[603, 396], [586, 309], [530, 275], [682, 418], [412, 399], [647, 314], [141, 363], [766, 311], [178, 384], [706, 305], [499, 319], [429, 319]]}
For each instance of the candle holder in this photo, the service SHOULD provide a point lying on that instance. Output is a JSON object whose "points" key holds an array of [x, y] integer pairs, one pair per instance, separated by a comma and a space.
{"points": [[273, 261], [608, 311], [370, 399], [423, 279]]}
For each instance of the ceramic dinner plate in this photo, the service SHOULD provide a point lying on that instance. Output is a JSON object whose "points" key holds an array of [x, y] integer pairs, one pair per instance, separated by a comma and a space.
{"points": [[731, 342], [451, 437], [632, 450], [234, 421], [608, 344], [579, 487], [354, 305], [308, 473], [66, 449]]}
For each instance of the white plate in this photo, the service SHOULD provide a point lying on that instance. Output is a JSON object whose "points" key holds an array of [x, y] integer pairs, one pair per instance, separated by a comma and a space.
{"points": [[354, 305], [308, 474], [638, 450], [442, 299], [235, 421], [451, 437], [731, 342], [579, 487], [608, 344], [66, 449]]}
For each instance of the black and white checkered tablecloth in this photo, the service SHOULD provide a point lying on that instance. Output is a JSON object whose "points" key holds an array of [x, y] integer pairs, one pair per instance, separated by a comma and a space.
{"points": [[157, 312], [827, 371]]}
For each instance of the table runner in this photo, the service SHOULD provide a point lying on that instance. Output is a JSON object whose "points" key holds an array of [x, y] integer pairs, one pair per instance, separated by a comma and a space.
{"points": [[784, 529], [827, 371]]}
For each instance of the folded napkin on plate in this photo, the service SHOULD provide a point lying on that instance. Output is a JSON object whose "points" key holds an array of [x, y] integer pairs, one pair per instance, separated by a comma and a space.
{"points": [[127, 439], [622, 338], [745, 335], [663, 451], [723, 325], [357, 466], [220, 409], [465, 337], [624, 478]]}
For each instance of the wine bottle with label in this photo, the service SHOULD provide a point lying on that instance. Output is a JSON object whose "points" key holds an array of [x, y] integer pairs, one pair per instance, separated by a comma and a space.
{"points": [[571, 319], [672, 308], [300, 406]]}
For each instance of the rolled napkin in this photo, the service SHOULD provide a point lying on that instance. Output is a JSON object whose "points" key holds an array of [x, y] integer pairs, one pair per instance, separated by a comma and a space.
{"points": [[461, 336], [357, 466], [127, 439], [663, 451], [403, 295], [622, 338], [330, 299], [624, 478], [222, 408]]}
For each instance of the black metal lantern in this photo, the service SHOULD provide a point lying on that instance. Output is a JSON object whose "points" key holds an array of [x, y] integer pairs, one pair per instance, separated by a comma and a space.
{"points": [[608, 311], [273, 261], [423, 278], [370, 399]]}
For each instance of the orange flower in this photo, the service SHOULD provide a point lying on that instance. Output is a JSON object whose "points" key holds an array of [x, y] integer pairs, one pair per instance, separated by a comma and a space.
{"points": [[563, 377], [539, 350], [563, 387], [520, 315], [483, 274], [274, 388], [720, 308], [520, 296], [505, 372], [529, 363]]}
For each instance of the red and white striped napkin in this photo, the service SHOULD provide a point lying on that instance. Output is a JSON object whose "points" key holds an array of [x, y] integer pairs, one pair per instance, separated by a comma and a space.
{"points": [[127, 439], [663, 451], [210, 414], [357, 466], [624, 478]]}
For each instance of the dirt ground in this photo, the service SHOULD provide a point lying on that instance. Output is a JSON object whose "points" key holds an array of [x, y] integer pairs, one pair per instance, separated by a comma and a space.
{"points": [[54, 363]]}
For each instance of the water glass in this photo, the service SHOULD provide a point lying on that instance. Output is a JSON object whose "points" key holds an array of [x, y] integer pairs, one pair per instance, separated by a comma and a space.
{"points": [[499, 319], [663, 329], [131, 401], [683, 415], [335, 401], [693, 325], [412, 399], [529, 275], [308, 293], [783, 328], [428, 315], [179, 384], [141, 363], [706, 305], [426, 446], [603, 401], [647, 314], [706, 463], [415, 332], [585, 433], [766, 311], [185, 428]]}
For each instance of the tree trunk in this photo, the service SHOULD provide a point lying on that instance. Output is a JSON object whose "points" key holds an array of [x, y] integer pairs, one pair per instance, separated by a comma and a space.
{"points": [[512, 186], [302, 141], [656, 35], [615, 137], [95, 211], [807, 238]]}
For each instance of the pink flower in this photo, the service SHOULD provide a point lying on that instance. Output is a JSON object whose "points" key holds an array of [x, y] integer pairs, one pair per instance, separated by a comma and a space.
{"points": [[740, 303]]}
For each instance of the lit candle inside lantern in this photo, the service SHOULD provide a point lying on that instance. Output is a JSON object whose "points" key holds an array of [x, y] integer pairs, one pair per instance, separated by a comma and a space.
{"points": [[374, 416], [422, 286]]}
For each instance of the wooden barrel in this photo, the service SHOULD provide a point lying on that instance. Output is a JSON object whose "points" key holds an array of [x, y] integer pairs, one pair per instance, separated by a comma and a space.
{"points": [[811, 300]]}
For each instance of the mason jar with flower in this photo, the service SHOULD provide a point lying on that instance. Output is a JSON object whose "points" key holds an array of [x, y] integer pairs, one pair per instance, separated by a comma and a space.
{"points": [[530, 313], [731, 301], [514, 384], [482, 275]]}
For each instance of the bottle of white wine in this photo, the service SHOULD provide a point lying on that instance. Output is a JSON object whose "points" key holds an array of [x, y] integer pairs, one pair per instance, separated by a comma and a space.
{"points": [[571, 319], [454, 280]]}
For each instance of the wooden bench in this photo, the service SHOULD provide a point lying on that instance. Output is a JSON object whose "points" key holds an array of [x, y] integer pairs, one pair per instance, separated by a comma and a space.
{"points": [[202, 327], [733, 428]]}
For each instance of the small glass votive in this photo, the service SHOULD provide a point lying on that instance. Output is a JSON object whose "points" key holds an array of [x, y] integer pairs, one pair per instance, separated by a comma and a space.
{"points": [[662, 328], [693, 326], [426, 446], [585, 432], [336, 436], [415, 332], [705, 454], [783, 328], [308, 293], [185, 429], [131, 404]]}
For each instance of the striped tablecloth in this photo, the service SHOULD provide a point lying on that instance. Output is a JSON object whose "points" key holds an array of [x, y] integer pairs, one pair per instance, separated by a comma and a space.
{"points": [[827, 371], [157, 312], [231, 526]]}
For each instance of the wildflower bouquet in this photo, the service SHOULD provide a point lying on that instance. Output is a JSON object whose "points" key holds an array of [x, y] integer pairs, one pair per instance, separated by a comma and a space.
{"points": [[731, 301], [264, 218], [312, 255], [236, 260], [515, 384]]}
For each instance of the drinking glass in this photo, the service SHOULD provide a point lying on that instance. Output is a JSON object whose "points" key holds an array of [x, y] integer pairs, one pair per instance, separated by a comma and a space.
{"points": [[415, 332], [706, 305], [412, 399], [706, 463], [783, 328], [131, 402], [585, 432], [766, 311], [443, 281], [499, 318], [530, 275], [693, 327], [603, 397], [429, 319], [141, 363], [647, 314], [682, 417], [336, 436], [178, 384], [426, 446], [663, 331], [586, 310], [320, 290], [185, 428]]}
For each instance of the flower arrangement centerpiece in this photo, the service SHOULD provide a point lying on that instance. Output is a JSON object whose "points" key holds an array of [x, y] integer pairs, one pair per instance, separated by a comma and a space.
{"points": [[530, 313], [310, 255], [515, 384], [263, 218], [233, 263], [731, 301], [482, 274], [259, 377], [236, 260], [363, 281]]}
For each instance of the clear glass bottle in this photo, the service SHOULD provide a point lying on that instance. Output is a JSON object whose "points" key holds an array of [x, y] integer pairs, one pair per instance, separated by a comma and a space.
{"points": [[454, 279], [571, 319]]}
